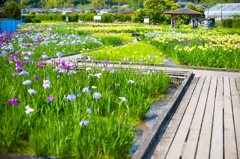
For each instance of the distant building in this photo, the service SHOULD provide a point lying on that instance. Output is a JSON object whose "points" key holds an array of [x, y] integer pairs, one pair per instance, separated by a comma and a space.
{"points": [[227, 10], [67, 12], [208, 22], [122, 12], [185, 4], [25, 12]]}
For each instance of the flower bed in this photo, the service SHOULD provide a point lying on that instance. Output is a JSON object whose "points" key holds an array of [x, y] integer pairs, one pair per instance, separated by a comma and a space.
{"points": [[65, 111], [138, 52], [44, 43], [202, 48]]}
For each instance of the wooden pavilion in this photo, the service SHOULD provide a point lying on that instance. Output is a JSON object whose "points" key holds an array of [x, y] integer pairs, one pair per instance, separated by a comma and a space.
{"points": [[183, 11]]}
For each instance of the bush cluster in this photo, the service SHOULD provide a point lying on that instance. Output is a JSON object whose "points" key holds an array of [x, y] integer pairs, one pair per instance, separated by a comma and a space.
{"points": [[236, 23], [108, 18], [227, 23]]}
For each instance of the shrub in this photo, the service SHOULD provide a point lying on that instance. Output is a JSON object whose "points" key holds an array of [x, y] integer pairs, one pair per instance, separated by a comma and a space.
{"points": [[29, 20], [236, 23], [165, 23], [227, 23], [36, 20]]}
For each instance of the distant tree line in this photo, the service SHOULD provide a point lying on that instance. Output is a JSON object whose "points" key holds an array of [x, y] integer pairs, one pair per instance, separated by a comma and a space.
{"points": [[133, 4]]}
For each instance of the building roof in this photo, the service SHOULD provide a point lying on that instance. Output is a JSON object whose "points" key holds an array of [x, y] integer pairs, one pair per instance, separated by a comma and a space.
{"points": [[122, 12], [226, 7], [184, 3], [183, 11]]}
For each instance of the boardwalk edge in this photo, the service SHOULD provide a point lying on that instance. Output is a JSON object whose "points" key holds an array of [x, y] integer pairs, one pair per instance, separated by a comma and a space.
{"points": [[148, 145]]}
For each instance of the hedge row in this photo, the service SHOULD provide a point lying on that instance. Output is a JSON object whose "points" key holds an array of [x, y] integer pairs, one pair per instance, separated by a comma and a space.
{"points": [[231, 23], [51, 17], [236, 23], [76, 17]]}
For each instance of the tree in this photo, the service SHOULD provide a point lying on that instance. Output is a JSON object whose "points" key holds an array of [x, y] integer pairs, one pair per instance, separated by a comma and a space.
{"points": [[13, 10], [157, 7], [185, 19]]}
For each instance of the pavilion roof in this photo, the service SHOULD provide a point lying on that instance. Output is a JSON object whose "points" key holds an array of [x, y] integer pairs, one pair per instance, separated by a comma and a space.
{"points": [[183, 11]]}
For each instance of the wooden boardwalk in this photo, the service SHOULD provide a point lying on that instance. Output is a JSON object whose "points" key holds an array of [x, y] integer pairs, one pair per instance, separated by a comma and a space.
{"points": [[206, 123]]}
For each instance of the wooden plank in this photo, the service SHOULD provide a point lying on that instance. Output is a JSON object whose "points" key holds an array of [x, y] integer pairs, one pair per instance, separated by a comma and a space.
{"points": [[203, 149], [151, 140], [236, 110], [192, 141], [217, 132], [238, 84], [166, 140], [230, 148], [178, 142]]}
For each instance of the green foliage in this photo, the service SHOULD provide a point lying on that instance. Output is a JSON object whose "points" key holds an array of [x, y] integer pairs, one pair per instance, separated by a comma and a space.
{"points": [[138, 15], [165, 23], [13, 10], [86, 16], [185, 19], [227, 23], [155, 8], [191, 6], [108, 18], [160, 5], [235, 16], [236, 23], [36, 20]]}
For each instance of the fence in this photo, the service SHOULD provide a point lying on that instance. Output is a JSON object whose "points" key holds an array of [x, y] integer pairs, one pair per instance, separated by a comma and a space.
{"points": [[10, 25]]}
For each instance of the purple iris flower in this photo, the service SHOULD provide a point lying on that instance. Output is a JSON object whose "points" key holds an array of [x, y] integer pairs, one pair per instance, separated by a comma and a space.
{"points": [[86, 89], [25, 73], [18, 69], [15, 55], [13, 101], [48, 78], [41, 63], [27, 82], [20, 64], [96, 95], [166, 60], [51, 98], [95, 62], [85, 122], [58, 76], [71, 97], [66, 67], [106, 62], [89, 111], [213, 42], [172, 41], [36, 77]]}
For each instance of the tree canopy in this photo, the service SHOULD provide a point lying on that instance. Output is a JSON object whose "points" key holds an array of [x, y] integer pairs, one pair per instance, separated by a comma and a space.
{"points": [[13, 10]]}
